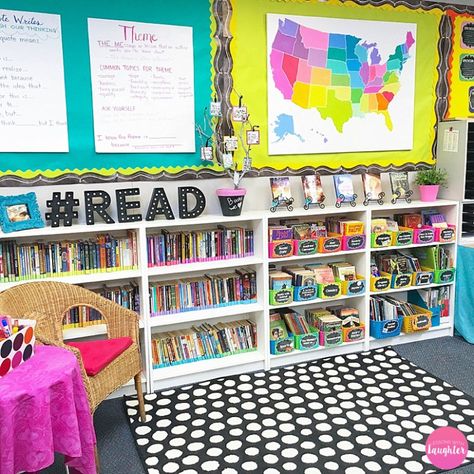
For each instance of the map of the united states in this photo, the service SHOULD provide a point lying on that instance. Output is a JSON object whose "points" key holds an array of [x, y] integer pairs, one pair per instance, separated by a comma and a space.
{"points": [[340, 75]]}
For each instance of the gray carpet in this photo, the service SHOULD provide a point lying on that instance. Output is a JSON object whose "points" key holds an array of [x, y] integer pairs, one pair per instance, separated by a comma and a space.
{"points": [[451, 359]]}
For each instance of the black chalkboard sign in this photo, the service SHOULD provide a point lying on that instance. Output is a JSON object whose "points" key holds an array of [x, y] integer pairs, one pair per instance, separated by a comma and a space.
{"points": [[282, 250], [467, 67], [467, 35], [282, 296], [445, 276], [424, 278], [355, 287], [471, 100], [332, 244], [447, 234], [331, 290], [382, 284], [404, 237], [422, 321], [355, 242], [306, 293], [333, 338], [284, 345], [307, 247], [402, 280], [355, 334], [390, 326], [383, 240], [426, 236], [308, 341]]}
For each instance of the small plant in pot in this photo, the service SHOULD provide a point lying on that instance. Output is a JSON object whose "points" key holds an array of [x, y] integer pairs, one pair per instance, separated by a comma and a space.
{"points": [[429, 181], [220, 147]]}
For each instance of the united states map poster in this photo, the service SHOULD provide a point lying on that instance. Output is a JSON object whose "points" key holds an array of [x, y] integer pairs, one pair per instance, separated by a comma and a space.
{"points": [[339, 85]]}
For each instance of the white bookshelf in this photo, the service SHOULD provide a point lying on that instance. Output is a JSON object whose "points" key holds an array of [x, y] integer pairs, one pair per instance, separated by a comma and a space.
{"points": [[261, 359]]}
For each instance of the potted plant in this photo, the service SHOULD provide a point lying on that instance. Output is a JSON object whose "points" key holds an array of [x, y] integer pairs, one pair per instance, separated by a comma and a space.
{"points": [[429, 180], [220, 147]]}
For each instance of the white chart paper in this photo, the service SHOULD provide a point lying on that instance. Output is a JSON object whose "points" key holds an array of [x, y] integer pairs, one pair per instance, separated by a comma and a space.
{"points": [[32, 95], [143, 87]]}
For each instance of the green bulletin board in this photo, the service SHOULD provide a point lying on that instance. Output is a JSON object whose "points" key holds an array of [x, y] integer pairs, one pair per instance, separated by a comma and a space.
{"points": [[82, 160]]}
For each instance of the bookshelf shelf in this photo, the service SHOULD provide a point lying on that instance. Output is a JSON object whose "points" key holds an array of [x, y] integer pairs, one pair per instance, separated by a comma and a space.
{"points": [[410, 288], [402, 247], [317, 349], [258, 312]]}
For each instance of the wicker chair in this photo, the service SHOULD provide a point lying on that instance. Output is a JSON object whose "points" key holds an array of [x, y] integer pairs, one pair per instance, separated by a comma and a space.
{"points": [[47, 302]]}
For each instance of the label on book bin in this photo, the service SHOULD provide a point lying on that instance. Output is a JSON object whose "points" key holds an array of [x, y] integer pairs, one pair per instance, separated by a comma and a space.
{"points": [[402, 280], [282, 296], [355, 242], [282, 250], [382, 284], [307, 247], [332, 244], [422, 321], [355, 334], [308, 341], [383, 240], [446, 276], [390, 326], [331, 290], [426, 235], [333, 338], [307, 292], [404, 237], [446, 234], [424, 278], [285, 345], [355, 287]]}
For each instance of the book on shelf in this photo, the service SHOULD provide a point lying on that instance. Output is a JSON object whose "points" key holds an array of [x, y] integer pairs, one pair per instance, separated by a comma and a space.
{"points": [[343, 186], [25, 261], [206, 341], [278, 329], [280, 280], [344, 271], [412, 220], [279, 232], [386, 307], [372, 185], [312, 188], [379, 225], [281, 191], [399, 183], [296, 323]]}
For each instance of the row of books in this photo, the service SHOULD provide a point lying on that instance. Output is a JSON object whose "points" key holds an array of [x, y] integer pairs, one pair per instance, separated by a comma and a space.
{"points": [[22, 261], [435, 298], [311, 274], [81, 316], [292, 229], [383, 308], [429, 217], [208, 291], [394, 262], [206, 341], [172, 248]]}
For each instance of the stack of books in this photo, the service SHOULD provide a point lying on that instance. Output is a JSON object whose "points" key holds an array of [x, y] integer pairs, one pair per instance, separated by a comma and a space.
{"points": [[345, 226], [383, 308], [208, 291], [206, 341]]}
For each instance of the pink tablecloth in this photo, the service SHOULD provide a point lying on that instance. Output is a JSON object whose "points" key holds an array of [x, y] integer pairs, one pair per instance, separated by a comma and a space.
{"points": [[43, 409]]}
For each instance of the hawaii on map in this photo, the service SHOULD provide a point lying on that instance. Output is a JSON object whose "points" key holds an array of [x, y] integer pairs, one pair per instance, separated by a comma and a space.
{"points": [[339, 85]]}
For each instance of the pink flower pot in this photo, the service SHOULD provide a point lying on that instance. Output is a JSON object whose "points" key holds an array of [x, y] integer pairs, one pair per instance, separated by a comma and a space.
{"points": [[428, 192], [231, 200]]}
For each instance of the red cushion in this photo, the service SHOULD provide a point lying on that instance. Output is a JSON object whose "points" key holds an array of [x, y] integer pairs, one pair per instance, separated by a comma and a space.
{"points": [[98, 354]]}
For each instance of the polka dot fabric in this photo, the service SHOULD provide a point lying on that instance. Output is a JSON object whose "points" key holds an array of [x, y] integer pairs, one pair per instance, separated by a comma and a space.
{"points": [[355, 414], [16, 349]]}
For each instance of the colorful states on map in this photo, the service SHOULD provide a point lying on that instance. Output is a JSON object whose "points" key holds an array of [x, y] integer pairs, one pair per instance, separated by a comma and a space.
{"points": [[285, 127], [340, 75]]}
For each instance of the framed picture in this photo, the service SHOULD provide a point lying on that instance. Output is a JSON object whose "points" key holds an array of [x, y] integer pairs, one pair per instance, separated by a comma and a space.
{"points": [[281, 192], [19, 213], [372, 186], [343, 187], [313, 190]]}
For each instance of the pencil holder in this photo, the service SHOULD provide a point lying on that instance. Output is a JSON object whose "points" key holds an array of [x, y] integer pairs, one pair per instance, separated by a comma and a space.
{"points": [[305, 247], [353, 242], [381, 239], [282, 346], [331, 243], [386, 328], [425, 235], [380, 283], [305, 293], [353, 334], [354, 287], [280, 249], [448, 234], [404, 236], [329, 290], [281, 297]]}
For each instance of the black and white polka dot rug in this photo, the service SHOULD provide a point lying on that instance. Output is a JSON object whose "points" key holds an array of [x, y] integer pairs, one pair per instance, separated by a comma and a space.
{"points": [[360, 413]]}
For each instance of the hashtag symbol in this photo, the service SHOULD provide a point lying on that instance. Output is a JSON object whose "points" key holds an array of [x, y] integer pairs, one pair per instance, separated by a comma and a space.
{"points": [[62, 209]]}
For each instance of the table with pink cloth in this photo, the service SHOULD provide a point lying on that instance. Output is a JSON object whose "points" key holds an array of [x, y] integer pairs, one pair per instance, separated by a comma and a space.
{"points": [[44, 409]]}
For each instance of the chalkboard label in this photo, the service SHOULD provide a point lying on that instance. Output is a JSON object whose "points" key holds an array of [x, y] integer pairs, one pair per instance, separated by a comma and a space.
{"points": [[282, 296], [467, 67], [282, 250], [402, 280], [404, 237], [422, 321], [332, 244], [426, 236], [307, 292], [355, 287], [331, 290], [332, 338], [308, 341], [382, 284], [467, 35], [307, 247], [383, 240], [284, 345], [355, 242], [390, 326], [424, 278], [355, 334], [446, 276], [447, 234]]}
